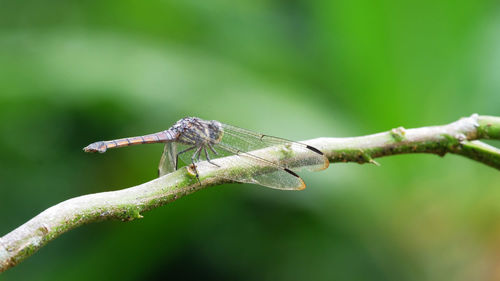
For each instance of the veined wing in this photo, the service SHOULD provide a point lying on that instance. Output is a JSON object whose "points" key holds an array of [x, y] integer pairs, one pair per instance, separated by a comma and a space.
{"points": [[279, 162], [167, 160], [273, 176], [309, 158]]}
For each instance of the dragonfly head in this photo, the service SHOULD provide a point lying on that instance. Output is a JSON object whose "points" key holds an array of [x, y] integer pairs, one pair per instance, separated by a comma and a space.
{"points": [[216, 131]]}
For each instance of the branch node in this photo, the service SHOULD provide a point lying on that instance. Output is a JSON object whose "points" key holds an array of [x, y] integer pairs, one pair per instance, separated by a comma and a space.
{"points": [[131, 213], [460, 137], [475, 119], [398, 134], [453, 142], [364, 157]]}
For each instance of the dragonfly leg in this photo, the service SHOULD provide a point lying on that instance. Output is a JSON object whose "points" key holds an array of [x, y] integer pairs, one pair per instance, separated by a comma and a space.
{"points": [[211, 148], [196, 155], [199, 154], [208, 157], [177, 156]]}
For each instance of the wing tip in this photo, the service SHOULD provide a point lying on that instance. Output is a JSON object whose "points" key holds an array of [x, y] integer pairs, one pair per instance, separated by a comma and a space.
{"points": [[326, 162], [302, 185]]}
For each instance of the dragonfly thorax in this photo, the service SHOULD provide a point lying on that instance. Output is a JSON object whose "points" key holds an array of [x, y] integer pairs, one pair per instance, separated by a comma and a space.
{"points": [[196, 131]]}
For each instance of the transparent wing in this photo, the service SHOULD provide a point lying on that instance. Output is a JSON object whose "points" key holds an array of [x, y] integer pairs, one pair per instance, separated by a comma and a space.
{"points": [[167, 160], [273, 176], [311, 158], [279, 172]]}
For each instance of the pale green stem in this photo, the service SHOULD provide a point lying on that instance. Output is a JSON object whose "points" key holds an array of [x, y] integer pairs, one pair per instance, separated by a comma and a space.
{"points": [[459, 137]]}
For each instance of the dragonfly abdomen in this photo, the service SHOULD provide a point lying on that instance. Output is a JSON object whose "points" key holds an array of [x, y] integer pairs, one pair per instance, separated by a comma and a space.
{"points": [[102, 146]]}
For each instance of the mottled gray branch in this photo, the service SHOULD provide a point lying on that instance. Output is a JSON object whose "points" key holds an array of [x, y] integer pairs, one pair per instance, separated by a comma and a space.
{"points": [[459, 138]]}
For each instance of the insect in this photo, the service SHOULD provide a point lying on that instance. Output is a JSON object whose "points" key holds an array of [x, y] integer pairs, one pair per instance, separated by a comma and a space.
{"points": [[193, 139]]}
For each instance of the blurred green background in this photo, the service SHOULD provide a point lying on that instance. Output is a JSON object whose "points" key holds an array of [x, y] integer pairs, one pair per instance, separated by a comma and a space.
{"points": [[74, 72]]}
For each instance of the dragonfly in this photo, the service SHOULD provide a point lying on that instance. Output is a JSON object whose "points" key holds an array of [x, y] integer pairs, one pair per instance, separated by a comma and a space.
{"points": [[192, 139]]}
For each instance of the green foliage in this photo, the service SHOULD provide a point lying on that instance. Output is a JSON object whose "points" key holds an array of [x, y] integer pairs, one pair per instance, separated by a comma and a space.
{"points": [[74, 72]]}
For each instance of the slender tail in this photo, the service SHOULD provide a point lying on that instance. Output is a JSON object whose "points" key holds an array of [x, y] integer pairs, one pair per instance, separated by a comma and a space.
{"points": [[102, 146]]}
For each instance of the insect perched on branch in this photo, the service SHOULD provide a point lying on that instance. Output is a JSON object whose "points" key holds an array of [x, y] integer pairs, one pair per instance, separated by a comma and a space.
{"points": [[192, 139]]}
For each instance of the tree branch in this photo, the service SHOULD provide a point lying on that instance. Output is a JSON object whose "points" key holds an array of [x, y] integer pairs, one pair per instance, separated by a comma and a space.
{"points": [[459, 137]]}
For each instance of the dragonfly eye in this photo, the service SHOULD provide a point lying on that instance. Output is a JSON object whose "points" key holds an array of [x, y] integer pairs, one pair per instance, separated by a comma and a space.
{"points": [[216, 131]]}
